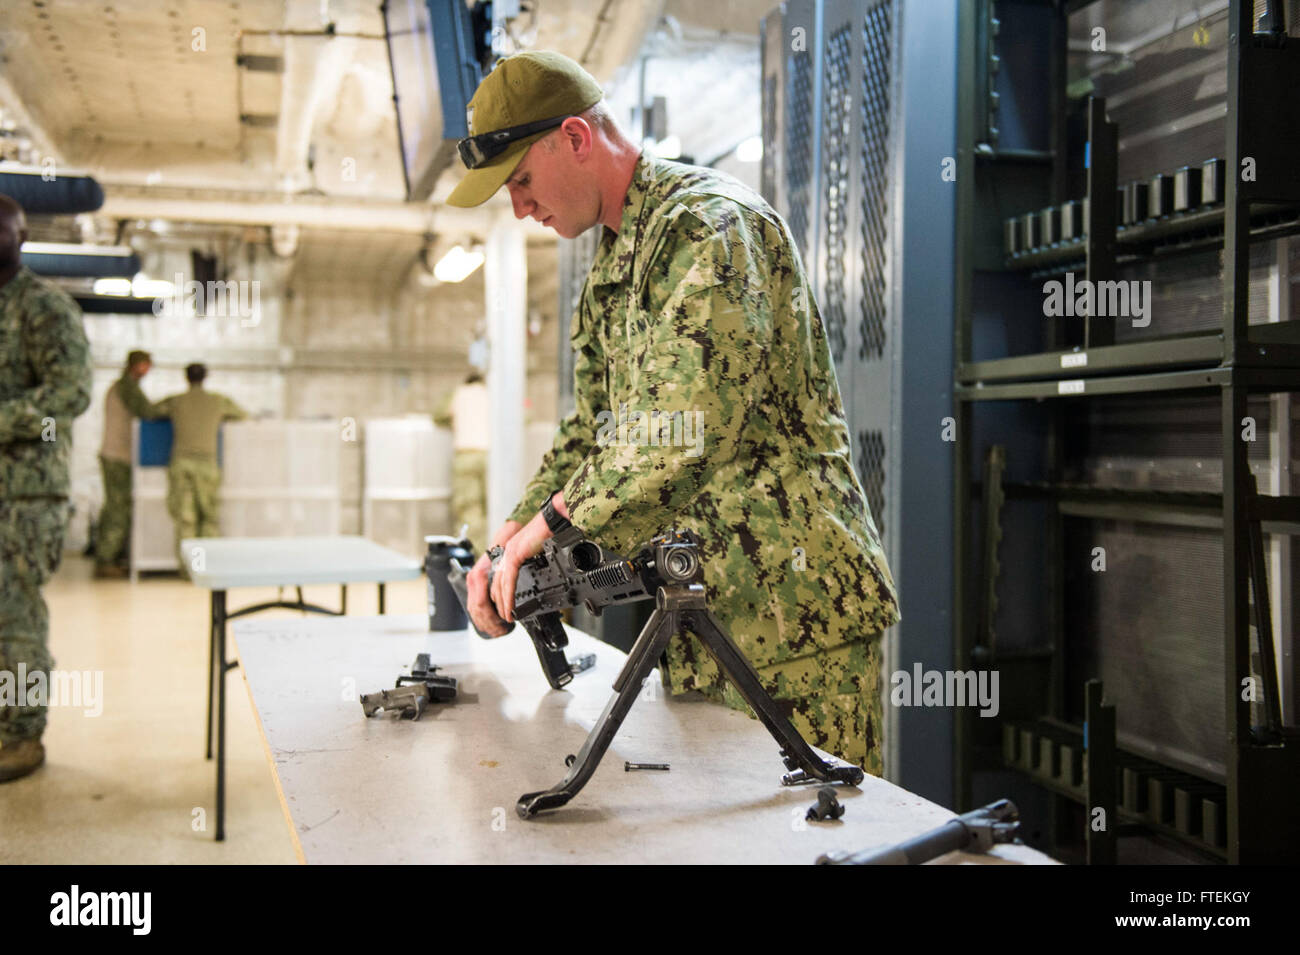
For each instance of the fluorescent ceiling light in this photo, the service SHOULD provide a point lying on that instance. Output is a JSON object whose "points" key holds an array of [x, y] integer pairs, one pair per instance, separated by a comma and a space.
{"points": [[72, 248], [457, 265], [750, 150], [144, 287], [112, 286]]}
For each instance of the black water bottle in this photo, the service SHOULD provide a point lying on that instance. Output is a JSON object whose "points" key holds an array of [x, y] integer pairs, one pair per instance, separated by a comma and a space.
{"points": [[445, 610]]}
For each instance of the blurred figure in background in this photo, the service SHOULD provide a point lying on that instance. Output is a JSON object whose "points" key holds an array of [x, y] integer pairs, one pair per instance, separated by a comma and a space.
{"points": [[124, 401], [465, 411], [44, 383], [194, 477]]}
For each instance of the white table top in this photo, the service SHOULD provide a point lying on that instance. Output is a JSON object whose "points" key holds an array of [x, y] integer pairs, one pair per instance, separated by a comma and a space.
{"points": [[443, 789], [292, 561]]}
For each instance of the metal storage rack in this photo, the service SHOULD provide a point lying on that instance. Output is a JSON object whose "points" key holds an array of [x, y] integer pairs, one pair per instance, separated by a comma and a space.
{"points": [[1249, 816]]}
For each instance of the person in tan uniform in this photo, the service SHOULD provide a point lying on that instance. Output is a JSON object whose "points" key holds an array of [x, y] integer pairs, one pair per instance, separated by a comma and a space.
{"points": [[194, 477], [124, 401], [465, 412]]}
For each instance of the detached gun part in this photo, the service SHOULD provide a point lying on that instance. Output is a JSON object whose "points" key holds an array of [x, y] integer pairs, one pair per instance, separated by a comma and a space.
{"points": [[413, 691], [976, 831], [409, 701], [572, 570], [827, 806], [628, 767]]}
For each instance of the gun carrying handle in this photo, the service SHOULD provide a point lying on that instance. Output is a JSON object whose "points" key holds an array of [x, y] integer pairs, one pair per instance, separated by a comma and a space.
{"points": [[456, 577]]}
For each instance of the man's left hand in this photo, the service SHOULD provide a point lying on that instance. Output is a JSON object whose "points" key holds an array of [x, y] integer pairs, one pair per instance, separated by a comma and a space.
{"points": [[518, 549]]}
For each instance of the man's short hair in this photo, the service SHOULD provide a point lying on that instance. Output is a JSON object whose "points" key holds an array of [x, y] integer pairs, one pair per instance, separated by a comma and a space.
{"points": [[136, 357], [598, 117], [195, 373]]}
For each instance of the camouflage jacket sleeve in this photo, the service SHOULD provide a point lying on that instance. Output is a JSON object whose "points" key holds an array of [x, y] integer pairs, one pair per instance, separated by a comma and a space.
{"points": [[133, 396], [576, 434], [708, 334], [60, 356]]}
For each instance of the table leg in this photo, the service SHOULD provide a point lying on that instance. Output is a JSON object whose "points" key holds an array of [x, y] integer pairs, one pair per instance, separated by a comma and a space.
{"points": [[343, 599], [219, 635], [212, 666], [381, 598]]}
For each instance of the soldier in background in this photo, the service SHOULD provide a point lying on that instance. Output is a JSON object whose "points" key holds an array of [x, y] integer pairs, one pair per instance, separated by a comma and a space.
{"points": [[45, 382], [194, 477], [123, 402], [465, 411], [697, 308]]}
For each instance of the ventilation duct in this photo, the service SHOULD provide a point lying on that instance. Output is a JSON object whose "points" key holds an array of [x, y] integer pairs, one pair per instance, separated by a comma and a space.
{"points": [[50, 192], [80, 261], [114, 305]]}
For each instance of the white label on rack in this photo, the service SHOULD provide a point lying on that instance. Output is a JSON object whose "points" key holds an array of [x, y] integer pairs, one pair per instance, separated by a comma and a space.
{"points": [[1074, 387], [1076, 360]]}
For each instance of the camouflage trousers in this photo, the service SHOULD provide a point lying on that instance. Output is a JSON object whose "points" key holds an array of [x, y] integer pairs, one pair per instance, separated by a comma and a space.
{"points": [[833, 698], [31, 546], [115, 516], [192, 501], [469, 495]]}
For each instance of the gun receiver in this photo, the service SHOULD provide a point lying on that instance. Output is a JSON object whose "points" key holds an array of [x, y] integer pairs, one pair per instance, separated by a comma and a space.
{"points": [[571, 571]]}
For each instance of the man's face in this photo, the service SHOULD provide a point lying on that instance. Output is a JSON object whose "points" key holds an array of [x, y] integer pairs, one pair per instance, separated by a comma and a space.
{"points": [[13, 232], [551, 186], [141, 368]]}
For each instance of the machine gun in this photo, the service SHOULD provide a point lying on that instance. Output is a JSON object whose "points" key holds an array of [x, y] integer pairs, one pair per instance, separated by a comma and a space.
{"points": [[976, 831], [574, 571]]}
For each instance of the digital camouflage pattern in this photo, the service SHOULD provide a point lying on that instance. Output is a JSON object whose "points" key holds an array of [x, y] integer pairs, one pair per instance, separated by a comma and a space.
{"points": [[193, 501], [193, 476], [700, 304], [833, 698], [31, 546], [115, 516], [45, 382]]}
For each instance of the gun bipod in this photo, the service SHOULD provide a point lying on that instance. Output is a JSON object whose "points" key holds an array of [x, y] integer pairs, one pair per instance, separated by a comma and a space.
{"points": [[681, 607]]}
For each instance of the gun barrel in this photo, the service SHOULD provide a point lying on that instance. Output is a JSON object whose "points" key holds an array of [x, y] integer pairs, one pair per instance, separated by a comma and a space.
{"points": [[977, 831]]}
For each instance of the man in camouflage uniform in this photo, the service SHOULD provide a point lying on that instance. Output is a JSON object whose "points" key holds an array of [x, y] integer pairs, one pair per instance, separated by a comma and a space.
{"points": [[123, 402], [44, 383], [193, 476], [697, 303], [465, 411]]}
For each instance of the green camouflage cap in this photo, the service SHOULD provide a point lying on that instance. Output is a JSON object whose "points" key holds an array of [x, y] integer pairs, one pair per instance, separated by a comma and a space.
{"points": [[524, 88]]}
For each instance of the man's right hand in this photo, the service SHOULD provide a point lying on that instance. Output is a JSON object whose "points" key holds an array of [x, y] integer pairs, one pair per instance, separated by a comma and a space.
{"points": [[481, 609]]}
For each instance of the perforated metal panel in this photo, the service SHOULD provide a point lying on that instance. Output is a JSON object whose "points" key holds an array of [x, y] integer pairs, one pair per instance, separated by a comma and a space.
{"points": [[573, 260], [837, 97], [874, 103], [870, 451], [798, 146]]}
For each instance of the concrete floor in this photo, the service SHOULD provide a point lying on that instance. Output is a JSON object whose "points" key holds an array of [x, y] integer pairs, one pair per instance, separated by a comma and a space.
{"points": [[123, 787]]}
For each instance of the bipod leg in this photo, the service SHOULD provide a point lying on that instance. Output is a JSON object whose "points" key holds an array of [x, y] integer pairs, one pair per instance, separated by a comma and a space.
{"points": [[795, 750], [659, 629]]}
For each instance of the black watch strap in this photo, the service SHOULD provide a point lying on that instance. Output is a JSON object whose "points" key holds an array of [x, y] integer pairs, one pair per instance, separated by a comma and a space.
{"points": [[554, 520]]}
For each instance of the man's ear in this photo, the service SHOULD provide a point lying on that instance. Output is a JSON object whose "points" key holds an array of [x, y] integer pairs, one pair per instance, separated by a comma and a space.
{"points": [[578, 136]]}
